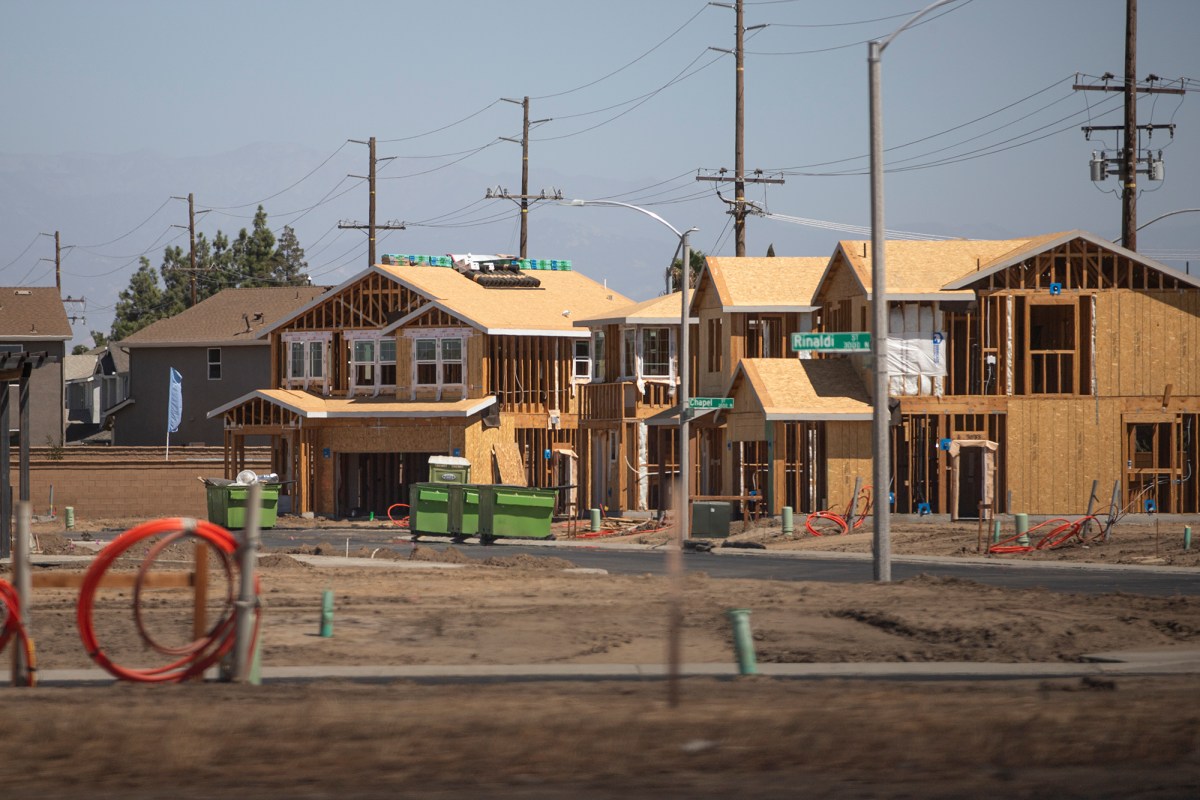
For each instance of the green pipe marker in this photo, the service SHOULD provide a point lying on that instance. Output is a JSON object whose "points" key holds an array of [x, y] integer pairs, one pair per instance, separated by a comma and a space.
{"points": [[1022, 521], [995, 531], [743, 641], [594, 520], [1187, 537], [327, 613], [788, 525]]}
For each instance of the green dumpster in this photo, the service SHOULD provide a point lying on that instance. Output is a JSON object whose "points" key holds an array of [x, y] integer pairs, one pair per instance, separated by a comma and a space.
{"points": [[227, 503], [444, 509], [515, 511]]}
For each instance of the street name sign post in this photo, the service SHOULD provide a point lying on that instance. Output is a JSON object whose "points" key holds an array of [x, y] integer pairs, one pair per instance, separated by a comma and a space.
{"points": [[710, 402], [848, 342]]}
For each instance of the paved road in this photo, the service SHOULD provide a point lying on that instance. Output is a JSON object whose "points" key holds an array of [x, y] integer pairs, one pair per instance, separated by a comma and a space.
{"points": [[840, 568]]}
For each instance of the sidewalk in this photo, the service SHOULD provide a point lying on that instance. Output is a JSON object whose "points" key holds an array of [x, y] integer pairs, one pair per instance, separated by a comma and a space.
{"points": [[1181, 661]]}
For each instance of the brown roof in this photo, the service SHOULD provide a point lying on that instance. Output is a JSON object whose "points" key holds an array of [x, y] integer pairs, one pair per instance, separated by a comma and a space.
{"points": [[232, 316], [924, 267], [498, 309], [32, 312], [766, 283], [807, 389]]}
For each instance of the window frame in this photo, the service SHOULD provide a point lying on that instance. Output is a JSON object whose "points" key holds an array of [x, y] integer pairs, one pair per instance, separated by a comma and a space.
{"points": [[369, 375], [583, 361], [214, 363], [441, 362], [313, 344]]}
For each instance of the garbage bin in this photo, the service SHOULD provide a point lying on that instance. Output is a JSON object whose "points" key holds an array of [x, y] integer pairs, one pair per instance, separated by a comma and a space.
{"points": [[515, 512], [227, 503], [444, 509]]}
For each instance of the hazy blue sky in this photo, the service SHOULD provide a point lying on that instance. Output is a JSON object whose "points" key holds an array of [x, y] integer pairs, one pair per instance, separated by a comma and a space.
{"points": [[113, 107]]}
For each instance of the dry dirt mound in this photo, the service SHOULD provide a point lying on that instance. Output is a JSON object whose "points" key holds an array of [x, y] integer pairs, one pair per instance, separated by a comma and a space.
{"points": [[55, 544], [451, 555], [281, 561], [524, 561]]}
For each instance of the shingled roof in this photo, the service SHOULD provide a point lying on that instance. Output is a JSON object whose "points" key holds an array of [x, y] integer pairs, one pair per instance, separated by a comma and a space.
{"points": [[230, 317], [32, 313]]}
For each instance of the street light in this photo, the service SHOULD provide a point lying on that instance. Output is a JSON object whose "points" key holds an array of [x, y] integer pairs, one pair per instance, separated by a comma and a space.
{"points": [[675, 553], [881, 471]]}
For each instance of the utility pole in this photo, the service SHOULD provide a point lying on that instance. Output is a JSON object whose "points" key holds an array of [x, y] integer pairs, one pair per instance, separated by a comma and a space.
{"points": [[371, 227], [191, 226], [57, 261], [524, 197], [738, 206], [1128, 159]]}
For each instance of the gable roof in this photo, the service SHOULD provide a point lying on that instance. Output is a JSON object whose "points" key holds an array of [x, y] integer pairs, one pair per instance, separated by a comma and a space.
{"points": [[921, 270], [1051, 241], [32, 313], [805, 389], [766, 284], [665, 309], [79, 367], [229, 317], [552, 308]]}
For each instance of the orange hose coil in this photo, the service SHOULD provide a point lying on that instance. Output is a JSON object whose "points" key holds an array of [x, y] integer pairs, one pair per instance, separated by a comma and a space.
{"points": [[195, 656]]}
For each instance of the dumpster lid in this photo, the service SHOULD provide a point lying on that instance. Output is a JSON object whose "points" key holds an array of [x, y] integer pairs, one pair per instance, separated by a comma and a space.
{"points": [[448, 461]]}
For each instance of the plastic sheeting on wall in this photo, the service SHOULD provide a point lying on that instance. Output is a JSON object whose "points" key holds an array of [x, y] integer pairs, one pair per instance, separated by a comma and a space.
{"points": [[916, 349]]}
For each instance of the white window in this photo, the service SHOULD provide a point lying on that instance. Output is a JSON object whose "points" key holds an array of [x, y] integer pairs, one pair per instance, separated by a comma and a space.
{"points": [[656, 352], [438, 359], [372, 361], [214, 363], [583, 359], [306, 355]]}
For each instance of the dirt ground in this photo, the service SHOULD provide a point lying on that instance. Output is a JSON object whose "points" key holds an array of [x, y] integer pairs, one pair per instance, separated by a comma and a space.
{"points": [[750, 736]]}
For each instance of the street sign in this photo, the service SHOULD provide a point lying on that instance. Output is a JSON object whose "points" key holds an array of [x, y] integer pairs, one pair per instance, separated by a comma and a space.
{"points": [[851, 342], [710, 402]]}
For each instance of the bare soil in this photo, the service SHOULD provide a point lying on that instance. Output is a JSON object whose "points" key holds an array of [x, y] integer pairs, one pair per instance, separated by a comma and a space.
{"points": [[746, 737]]}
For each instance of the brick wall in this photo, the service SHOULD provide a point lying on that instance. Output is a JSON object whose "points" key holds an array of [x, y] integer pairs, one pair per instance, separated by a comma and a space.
{"points": [[127, 482]]}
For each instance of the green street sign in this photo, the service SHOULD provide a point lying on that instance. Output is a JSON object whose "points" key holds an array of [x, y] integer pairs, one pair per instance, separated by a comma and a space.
{"points": [[852, 342], [710, 402]]}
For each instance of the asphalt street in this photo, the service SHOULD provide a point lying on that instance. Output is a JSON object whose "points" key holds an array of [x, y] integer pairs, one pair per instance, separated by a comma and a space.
{"points": [[775, 565]]}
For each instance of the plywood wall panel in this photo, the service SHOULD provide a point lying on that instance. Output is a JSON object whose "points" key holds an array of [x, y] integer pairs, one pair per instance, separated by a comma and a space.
{"points": [[848, 457]]}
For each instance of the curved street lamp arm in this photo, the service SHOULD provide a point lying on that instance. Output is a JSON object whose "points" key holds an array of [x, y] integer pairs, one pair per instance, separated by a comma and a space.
{"points": [[911, 21]]}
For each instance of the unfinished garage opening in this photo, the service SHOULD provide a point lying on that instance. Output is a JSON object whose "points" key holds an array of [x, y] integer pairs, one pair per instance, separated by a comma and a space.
{"points": [[371, 482], [1160, 464]]}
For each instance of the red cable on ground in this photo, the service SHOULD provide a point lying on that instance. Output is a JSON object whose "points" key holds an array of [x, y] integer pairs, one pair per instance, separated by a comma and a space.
{"points": [[12, 626], [844, 525], [1062, 534], [403, 522], [196, 656]]}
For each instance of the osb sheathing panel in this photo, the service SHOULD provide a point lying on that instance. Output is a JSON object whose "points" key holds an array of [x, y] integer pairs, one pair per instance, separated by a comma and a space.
{"points": [[1146, 340], [1057, 447], [848, 457], [478, 447], [841, 283]]}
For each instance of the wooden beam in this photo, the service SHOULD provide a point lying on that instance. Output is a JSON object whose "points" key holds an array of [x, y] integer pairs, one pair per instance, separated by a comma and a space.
{"points": [[113, 580]]}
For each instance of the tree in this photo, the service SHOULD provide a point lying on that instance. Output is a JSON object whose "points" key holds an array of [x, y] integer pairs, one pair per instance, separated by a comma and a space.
{"points": [[252, 259], [140, 304], [697, 264], [98, 340], [290, 265]]}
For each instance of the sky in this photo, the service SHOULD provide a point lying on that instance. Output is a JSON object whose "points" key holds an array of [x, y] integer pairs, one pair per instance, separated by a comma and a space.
{"points": [[112, 109]]}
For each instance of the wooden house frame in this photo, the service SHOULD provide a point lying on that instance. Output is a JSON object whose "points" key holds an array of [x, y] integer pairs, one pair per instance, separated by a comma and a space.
{"points": [[635, 377], [405, 360], [1061, 361]]}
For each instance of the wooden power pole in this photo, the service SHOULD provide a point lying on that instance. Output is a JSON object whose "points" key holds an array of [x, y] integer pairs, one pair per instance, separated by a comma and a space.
{"points": [[1128, 158], [524, 198], [738, 207], [371, 227]]}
